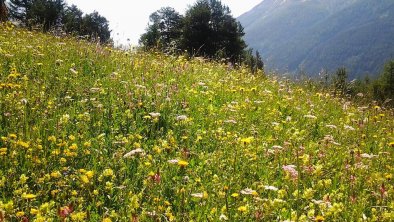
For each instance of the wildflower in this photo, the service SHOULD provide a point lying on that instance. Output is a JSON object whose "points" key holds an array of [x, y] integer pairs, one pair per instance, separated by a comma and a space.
{"points": [[200, 195], [29, 196], [133, 153], [173, 161], [310, 116], [391, 144], [108, 173], [271, 188], [89, 174], [290, 169], [84, 179], [78, 216], [249, 191], [154, 115], [235, 195], [3, 151], [181, 117], [182, 163], [246, 141], [223, 217], [20, 214], [34, 211], [242, 209], [107, 219]]}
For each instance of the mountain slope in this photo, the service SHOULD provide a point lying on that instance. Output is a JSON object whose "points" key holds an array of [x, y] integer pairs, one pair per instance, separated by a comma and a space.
{"points": [[315, 34]]}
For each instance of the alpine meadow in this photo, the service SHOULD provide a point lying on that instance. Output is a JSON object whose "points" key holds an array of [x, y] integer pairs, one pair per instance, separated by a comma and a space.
{"points": [[91, 132]]}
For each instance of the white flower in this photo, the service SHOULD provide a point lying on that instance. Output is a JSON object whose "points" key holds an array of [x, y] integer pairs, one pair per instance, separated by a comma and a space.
{"points": [[368, 156], [310, 116], [133, 153], [223, 217], [230, 121], [348, 128], [181, 117], [248, 191], [271, 188], [331, 126], [174, 161], [197, 195], [276, 147], [154, 115]]}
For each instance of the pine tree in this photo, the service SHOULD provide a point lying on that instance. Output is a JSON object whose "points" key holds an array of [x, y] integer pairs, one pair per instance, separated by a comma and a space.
{"points": [[37, 12]]}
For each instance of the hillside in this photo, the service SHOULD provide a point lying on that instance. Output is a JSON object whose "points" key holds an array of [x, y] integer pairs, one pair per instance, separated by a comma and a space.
{"points": [[310, 35], [90, 133]]}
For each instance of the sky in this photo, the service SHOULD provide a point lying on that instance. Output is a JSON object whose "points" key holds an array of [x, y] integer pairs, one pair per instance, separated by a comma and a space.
{"points": [[128, 19]]}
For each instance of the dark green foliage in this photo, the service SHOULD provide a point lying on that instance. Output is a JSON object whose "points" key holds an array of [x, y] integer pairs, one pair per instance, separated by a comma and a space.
{"points": [[37, 12], [207, 29], [164, 30], [3, 11], [96, 27], [383, 88], [254, 62], [340, 81], [210, 30], [48, 13], [72, 19]]}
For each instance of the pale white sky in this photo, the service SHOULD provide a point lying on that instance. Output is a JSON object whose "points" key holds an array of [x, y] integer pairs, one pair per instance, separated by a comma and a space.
{"points": [[128, 19]]}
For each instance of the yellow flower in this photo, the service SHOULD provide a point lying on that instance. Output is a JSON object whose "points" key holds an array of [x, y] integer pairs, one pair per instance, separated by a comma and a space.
{"points": [[246, 141], [84, 179], [28, 196], [34, 211], [107, 219], [108, 172], [23, 144], [78, 216], [20, 213], [56, 174], [89, 174], [182, 163], [3, 151], [235, 195], [242, 209], [319, 218]]}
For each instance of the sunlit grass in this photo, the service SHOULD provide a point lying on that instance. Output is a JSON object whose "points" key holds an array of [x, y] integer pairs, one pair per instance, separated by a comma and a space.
{"points": [[89, 133]]}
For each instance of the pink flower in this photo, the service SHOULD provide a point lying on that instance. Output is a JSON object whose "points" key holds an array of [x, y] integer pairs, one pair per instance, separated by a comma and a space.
{"points": [[290, 169]]}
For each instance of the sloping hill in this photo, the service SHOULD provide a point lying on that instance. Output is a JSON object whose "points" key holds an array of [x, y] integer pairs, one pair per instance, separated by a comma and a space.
{"points": [[312, 35], [91, 133]]}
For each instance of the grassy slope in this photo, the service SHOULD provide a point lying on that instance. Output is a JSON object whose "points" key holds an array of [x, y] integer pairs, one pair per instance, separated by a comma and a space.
{"points": [[70, 111]]}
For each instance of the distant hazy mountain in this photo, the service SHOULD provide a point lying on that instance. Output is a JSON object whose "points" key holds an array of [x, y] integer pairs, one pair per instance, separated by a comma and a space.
{"points": [[309, 35]]}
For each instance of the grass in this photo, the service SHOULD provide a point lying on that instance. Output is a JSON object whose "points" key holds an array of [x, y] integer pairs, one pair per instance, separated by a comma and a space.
{"points": [[89, 133]]}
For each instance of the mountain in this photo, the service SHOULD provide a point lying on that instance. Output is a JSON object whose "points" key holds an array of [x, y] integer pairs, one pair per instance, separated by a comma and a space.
{"points": [[308, 35]]}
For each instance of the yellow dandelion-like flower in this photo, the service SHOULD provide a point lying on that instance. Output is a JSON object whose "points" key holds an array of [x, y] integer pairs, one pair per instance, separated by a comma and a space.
{"points": [[182, 163], [319, 218], [235, 195], [29, 196], [89, 174], [84, 179], [20, 213], [246, 141], [242, 209], [108, 172], [107, 219]]}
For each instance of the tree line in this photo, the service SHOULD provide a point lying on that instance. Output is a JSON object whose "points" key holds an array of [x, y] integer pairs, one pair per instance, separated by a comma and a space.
{"points": [[207, 29], [52, 14], [379, 89]]}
